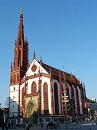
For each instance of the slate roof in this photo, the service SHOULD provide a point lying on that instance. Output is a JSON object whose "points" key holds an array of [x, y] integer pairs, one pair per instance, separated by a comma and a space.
{"points": [[55, 73]]}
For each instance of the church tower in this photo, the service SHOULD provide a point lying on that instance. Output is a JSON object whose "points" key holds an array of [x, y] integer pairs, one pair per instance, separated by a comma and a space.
{"points": [[20, 63], [18, 68]]}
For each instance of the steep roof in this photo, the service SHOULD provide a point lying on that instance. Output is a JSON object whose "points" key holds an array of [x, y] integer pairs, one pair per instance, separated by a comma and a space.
{"points": [[57, 73]]}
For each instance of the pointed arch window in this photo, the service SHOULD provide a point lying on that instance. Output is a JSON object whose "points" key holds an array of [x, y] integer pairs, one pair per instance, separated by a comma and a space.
{"points": [[19, 58], [17, 78], [34, 88], [14, 78], [56, 98], [67, 89], [11, 80], [45, 93]]}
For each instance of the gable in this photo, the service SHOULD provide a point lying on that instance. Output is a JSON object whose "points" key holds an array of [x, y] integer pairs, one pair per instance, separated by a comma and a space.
{"points": [[34, 68]]}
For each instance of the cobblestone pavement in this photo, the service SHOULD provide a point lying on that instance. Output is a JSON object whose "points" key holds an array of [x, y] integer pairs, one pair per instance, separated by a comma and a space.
{"points": [[79, 126]]}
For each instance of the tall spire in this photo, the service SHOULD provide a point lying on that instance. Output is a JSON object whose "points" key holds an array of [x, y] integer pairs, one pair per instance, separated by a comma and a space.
{"points": [[21, 47], [20, 38]]}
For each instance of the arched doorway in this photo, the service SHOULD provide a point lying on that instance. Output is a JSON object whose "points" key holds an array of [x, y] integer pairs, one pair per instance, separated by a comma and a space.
{"points": [[31, 112]]}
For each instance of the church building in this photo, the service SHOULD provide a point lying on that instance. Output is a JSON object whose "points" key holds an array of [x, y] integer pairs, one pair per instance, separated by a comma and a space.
{"points": [[41, 92]]}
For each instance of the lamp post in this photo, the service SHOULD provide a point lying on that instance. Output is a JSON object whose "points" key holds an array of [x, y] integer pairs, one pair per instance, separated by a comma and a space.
{"points": [[65, 97]]}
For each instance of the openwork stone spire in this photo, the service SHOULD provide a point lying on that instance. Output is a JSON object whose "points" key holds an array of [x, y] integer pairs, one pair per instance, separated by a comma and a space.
{"points": [[20, 37]]}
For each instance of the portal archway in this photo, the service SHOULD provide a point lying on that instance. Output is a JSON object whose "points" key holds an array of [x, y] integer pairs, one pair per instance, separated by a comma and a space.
{"points": [[31, 111]]}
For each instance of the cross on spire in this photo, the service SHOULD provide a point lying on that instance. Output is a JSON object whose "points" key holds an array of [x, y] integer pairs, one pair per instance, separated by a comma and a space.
{"points": [[21, 11]]}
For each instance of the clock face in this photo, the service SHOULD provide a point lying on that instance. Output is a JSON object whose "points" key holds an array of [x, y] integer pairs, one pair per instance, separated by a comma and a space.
{"points": [[34, 67]]}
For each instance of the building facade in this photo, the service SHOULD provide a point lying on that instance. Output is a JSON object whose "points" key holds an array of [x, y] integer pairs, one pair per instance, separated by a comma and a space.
{"points": [[38, 90]]}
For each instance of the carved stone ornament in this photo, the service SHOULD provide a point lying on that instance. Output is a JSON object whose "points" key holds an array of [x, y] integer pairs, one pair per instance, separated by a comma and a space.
{"points": [[34, 67]]}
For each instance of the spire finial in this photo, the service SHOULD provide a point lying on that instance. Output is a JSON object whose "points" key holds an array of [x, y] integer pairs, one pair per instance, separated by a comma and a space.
{"points": [[21, 11], [40, 60], [34, 56]]}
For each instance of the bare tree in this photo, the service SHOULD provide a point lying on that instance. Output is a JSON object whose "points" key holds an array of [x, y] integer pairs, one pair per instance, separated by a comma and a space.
{"points": [[7, 102]]}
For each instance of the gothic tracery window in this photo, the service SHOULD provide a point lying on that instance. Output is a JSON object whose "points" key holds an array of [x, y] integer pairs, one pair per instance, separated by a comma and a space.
{"points": [[14, 79], [33, 88], [45, 93], [17, 78], [56, 98]]}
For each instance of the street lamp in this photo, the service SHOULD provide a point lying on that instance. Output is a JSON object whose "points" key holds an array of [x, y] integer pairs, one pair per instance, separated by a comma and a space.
{"points": [[65, 96]]}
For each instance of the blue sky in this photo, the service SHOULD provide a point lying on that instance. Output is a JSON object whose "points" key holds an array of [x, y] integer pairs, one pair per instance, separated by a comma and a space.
{"points": [[62, 32]]}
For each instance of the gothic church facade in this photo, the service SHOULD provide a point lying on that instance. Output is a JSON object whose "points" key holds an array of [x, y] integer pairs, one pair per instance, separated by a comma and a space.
{"points": [[40, 90]]}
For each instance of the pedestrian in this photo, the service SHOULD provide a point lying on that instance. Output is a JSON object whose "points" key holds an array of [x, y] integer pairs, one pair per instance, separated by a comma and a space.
{"points": [[6, 125], [27, 125], [3, 125], [41, 124]]}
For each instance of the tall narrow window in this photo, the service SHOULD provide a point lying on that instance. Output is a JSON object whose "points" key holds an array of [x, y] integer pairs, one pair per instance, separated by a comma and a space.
{"points": [[14, 78], [45, 93], [11, 80], [33, 88], [56, 98]]}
